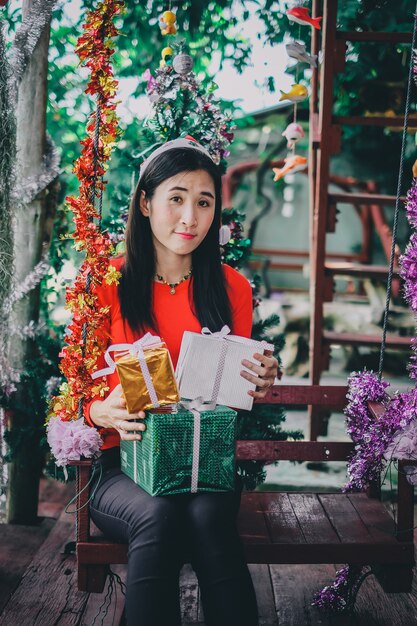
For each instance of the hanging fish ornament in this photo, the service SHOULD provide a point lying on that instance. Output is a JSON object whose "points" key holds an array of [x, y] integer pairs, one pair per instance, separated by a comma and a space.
{"points": [[292, 164], [298, 93], [298, 51], [167, 23], [301, 16], [293, 133]]}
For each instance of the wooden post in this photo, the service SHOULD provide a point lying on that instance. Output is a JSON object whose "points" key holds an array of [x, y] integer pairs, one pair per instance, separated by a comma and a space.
{"points": [[24, 470], [83, 494], [313, 146], [405, 521], [320, 190]]}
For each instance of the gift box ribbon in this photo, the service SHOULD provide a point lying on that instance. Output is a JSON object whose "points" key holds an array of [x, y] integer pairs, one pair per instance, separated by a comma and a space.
{"points": [[196, 406], [222, 335], [135, 349]]}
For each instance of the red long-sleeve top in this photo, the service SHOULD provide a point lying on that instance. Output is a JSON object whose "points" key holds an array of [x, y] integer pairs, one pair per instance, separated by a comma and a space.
{"points": [[174, 315]]}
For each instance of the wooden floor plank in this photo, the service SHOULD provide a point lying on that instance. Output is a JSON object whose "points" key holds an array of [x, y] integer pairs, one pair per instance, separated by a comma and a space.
{"points": [[280, 519], [14, 559], [375, 517], [189, 595], [54, 496], [48, 591], [345, 519], [261, 578], [105, 613], [376, 608], [312, 519], [294, 587]]}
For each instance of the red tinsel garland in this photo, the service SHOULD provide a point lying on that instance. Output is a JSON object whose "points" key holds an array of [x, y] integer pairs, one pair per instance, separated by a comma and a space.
{"points": [[94, 49]]}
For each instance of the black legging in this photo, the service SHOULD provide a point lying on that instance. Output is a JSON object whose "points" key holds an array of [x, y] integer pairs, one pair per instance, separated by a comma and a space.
{"points": [[163, 533]]}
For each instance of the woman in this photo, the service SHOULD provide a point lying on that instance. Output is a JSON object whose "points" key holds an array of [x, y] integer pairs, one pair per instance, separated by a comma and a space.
{"points": [[172, 280]]}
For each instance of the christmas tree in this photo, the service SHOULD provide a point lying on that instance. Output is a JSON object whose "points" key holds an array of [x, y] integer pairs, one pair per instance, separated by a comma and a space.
{"points": [[181, 106]]}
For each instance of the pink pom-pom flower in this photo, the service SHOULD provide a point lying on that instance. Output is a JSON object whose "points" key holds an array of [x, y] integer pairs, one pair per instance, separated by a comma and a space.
{"points": [[72, 440]]}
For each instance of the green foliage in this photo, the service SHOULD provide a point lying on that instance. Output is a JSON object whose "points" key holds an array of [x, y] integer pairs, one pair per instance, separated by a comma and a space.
{"points": [[33, 403], [237, 251], [375, 81]]}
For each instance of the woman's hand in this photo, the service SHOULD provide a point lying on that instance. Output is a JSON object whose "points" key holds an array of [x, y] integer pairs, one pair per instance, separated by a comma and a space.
{"points": [[267, 372], [112, 413]]}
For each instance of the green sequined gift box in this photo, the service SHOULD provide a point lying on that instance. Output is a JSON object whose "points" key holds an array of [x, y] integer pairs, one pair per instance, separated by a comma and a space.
{"points": [[168, 461]]}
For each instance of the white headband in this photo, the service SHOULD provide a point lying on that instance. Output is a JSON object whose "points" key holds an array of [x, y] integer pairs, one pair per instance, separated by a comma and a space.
{"points": [[182, 142]]}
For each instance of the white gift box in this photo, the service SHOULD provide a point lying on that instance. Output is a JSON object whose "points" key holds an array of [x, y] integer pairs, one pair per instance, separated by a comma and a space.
{"points": [[209, 365]]}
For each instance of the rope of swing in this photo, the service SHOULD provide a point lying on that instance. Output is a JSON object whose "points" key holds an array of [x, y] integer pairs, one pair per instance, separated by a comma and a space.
{"points": [[100, 207], [397, 202]]}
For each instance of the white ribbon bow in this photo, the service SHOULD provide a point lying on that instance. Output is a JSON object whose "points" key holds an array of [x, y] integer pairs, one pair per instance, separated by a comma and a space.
{"points": [[135, 349], [224, 333], [220, 334]]}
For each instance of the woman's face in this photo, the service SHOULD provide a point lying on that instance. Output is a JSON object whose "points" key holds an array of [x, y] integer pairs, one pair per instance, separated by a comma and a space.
{"points": [[182, 205]]}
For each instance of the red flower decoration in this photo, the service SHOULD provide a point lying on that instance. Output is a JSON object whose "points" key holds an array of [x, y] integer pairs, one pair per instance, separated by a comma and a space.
{"points": [[79, 358]]}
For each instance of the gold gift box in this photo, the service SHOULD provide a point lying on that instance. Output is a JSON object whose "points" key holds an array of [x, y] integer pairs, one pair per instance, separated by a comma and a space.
{"points": [[133, 383]]}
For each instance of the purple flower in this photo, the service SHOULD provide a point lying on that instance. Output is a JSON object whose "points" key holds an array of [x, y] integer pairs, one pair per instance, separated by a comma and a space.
{"points": [[70, 441], [411, 204], [408, 263], [336, 597], [364, 387], [379, 439]]}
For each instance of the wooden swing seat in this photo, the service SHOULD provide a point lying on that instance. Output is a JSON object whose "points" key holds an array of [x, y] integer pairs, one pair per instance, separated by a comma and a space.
{"points": [[294, 527]]}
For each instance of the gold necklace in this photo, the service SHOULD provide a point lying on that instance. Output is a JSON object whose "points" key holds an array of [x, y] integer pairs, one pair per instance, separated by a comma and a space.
{"points": [[173, 285]]}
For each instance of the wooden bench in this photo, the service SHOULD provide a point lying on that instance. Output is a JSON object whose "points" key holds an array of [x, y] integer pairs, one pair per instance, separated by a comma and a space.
{"points": [[295, 527]]}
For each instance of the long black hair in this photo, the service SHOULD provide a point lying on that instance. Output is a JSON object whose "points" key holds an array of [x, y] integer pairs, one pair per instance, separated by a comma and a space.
{"points": [[211, 301]]}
